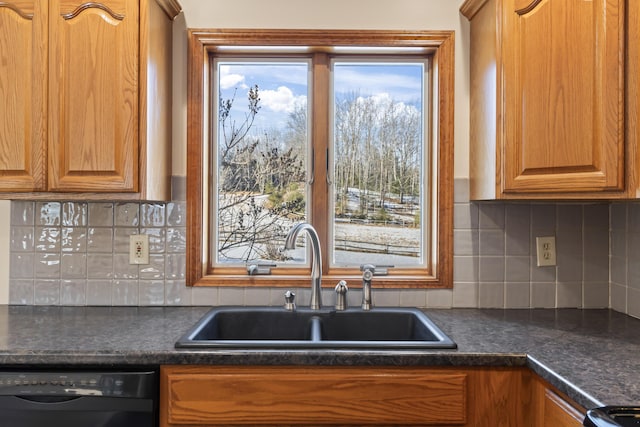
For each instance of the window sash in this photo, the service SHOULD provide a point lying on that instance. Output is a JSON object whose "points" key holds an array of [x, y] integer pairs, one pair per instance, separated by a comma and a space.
{"points": [[424, 180], [248, 61]]}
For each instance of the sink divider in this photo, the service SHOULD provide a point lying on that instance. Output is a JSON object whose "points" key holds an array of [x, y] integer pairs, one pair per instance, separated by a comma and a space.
{"points": [[316, 328]]}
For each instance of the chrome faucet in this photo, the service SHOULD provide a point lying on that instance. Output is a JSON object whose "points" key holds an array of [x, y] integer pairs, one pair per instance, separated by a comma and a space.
{"points": [[368, 271], [316, 260]]}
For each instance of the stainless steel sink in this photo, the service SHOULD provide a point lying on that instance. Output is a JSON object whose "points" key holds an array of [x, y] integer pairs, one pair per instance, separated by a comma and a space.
{"points": [[275, 327]]}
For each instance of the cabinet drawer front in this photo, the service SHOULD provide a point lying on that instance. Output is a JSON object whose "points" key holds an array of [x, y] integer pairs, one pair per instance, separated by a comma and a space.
{"points": [[297, 395]]}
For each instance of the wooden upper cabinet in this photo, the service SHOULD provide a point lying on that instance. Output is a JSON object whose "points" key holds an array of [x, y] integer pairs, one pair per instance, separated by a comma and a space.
{"points": [[564, 92], [547, 98], [23, 94], [86, 98], [93, 113]]}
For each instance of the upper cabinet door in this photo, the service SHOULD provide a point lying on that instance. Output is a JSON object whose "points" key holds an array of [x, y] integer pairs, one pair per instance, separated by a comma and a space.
{"points": [[23, 91], [563, 96], [93, 95]]}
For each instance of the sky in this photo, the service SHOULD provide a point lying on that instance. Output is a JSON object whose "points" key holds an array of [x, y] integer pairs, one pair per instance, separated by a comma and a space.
{"points": [[284, 85]]}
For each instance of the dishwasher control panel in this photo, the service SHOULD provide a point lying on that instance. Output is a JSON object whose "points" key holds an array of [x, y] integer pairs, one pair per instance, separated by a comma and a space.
{"points": [[113, 384]]}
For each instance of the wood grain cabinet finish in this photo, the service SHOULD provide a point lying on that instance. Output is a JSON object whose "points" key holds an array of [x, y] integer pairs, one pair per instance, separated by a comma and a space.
{"points": [[548, 99], [559, 413], [23, 95], [554, 409], [358, 396], [89, 105], [93, 102]]}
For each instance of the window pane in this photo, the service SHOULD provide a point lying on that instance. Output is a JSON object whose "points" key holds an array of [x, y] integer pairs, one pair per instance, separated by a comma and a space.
{"points": [[379, 167], [261, 154]]}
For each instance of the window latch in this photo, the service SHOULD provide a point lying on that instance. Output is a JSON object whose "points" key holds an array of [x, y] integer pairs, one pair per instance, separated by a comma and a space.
{"points": [[260, 269], [376, 270]]}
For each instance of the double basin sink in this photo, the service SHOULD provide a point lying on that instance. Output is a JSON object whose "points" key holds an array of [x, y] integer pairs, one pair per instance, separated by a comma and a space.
{"points": [[303, 328]]}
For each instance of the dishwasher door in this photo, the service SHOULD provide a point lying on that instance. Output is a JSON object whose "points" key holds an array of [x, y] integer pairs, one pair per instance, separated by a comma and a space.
{"points": [[78, 399]]}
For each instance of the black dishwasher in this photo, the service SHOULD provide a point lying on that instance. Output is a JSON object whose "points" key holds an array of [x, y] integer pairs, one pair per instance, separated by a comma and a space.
{"points": [[78, 399]]}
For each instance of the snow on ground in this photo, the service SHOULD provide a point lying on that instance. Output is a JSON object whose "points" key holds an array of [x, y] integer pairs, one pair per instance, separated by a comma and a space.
{"points": [[378, 234], [400, 240]]}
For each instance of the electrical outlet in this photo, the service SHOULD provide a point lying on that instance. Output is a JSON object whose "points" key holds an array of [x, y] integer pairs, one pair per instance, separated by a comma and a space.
{"points": [[546, 251], [139, 249]]}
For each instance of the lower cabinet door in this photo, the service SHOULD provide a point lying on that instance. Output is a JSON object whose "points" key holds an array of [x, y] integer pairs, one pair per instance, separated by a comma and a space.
{"points": [[559, 413]]}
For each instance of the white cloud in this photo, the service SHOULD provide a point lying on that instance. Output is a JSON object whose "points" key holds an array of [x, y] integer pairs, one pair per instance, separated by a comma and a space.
{"points": [[230, 80], [382, 98], [379, 82], [384, 104], [398, 106], [280, 100]]}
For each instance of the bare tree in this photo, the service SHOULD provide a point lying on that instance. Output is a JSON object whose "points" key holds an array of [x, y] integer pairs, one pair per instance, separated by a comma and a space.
{"points": [[261, 177], [377, 149], [253, 172]]}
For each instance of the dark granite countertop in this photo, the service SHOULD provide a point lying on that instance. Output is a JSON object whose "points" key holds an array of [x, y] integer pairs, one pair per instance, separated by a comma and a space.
{"points": [[591, 355]]}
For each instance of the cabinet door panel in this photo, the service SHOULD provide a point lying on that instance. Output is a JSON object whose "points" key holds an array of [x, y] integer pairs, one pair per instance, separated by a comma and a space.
{"points": [[93, 134], [23, 89], [559, 413], [564, 96]]}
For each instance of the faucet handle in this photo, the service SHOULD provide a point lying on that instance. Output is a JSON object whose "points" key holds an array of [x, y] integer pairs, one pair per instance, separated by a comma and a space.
{"points": [[341, 295], [368, 271], [290, 300]]}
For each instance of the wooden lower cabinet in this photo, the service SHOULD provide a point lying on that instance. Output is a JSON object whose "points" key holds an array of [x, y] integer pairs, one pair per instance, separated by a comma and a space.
{"points": [[553, 408], [358, 396]]}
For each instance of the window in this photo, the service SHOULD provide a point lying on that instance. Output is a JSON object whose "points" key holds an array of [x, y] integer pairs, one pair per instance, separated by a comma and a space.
{"points": [[351, 131]]}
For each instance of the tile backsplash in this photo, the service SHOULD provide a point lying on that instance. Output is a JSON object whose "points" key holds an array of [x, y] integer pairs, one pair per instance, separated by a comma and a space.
{"points": [[76, 253], [495, 262], [625, 258]]}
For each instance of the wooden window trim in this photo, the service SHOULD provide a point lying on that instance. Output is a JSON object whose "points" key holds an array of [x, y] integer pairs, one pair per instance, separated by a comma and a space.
{"points": [[201, 42]]}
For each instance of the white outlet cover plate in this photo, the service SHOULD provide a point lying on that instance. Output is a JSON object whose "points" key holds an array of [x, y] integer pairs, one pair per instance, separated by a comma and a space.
{"points": [[546, 251], [139, 249]]}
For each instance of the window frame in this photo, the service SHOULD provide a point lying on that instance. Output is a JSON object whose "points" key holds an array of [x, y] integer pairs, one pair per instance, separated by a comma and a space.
{"points": [[204, 42]]}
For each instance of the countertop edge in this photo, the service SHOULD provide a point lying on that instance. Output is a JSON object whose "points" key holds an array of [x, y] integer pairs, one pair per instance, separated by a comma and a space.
{"points": [[81, 360], [580, 396]]}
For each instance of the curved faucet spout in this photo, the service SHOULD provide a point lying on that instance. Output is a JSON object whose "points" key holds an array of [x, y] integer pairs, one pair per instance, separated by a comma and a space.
{"points": [[316, 260]]}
